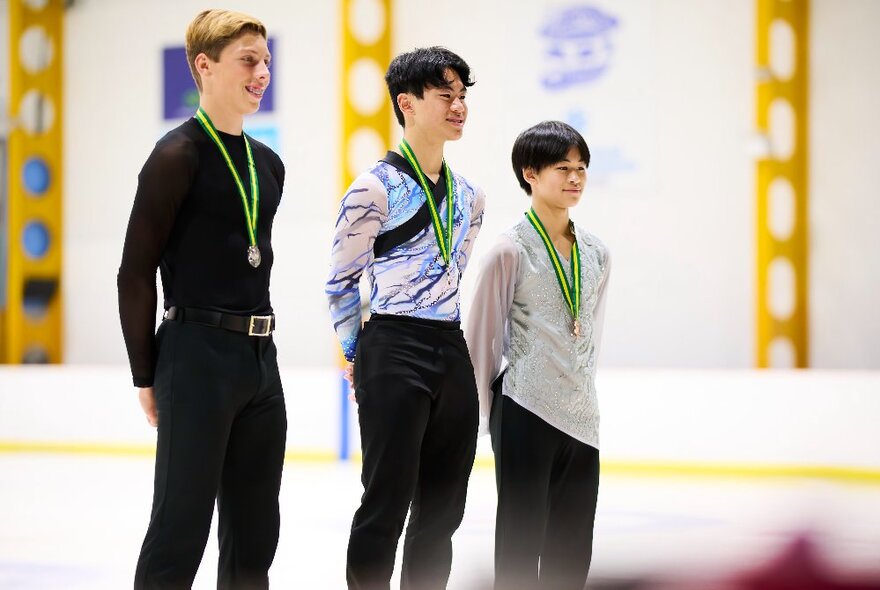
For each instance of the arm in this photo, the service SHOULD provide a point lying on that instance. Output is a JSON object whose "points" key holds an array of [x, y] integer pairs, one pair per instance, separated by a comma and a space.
{"points": [[599, 312], [163, 184], [486, 327], [363, 210], [474, 229], [280, 173]]}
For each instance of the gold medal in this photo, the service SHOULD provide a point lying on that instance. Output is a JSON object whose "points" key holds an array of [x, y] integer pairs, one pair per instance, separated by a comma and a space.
{"points": [[577, 329]]}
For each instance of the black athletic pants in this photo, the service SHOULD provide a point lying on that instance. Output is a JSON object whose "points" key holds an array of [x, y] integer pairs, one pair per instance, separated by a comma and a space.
{"points": [[221, 435], [548, 483], [418, 414]]}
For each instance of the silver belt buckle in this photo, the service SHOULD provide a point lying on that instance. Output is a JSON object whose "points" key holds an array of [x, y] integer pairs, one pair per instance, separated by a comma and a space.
{"points": [[260, 325]]}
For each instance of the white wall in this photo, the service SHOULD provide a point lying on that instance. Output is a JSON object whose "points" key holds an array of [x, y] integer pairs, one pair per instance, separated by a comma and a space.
{"points": [[679, 230], [845, 185], [113, 102], [678, 96]]}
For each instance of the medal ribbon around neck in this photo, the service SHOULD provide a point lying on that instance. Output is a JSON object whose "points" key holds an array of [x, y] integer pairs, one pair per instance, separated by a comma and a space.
{"points": [[250, 210], [571, 293], [444, 239]]}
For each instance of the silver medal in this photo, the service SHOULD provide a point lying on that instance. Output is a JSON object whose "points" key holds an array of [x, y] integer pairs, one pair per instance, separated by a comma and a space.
{"points": [[253, 256]]}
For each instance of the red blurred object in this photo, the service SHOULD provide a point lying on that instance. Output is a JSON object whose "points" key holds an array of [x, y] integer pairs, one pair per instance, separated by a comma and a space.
{"points": [[798, 568]]}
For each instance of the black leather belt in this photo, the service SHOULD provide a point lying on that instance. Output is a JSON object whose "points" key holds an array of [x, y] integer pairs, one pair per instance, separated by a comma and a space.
{"points": [[252, 325]]}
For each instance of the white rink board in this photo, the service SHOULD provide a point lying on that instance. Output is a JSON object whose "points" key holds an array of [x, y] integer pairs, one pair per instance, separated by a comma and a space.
{"points": [[800, 418]]}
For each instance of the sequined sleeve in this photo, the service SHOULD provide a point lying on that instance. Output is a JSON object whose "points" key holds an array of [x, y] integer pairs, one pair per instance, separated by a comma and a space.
{"points": [[363, 210], [486, 326], [476, 222], [599, 312]]}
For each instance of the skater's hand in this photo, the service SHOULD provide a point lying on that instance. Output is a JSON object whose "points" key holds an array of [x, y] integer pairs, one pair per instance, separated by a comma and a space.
{"points": [[148, 405], [348, 375]]}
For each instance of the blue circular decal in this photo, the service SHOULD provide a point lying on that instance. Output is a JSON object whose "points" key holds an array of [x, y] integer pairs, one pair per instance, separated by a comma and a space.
{"points": [[35, 175], [35, 239]]}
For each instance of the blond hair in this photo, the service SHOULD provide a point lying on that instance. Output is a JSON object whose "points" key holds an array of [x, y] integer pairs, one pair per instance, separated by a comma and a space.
{"points": [[212, 30]]}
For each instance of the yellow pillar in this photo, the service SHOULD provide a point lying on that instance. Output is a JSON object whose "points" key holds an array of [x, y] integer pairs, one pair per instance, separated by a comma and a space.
{"points": [[366, 111], [366, 107], [31, 327], [782, 200]]}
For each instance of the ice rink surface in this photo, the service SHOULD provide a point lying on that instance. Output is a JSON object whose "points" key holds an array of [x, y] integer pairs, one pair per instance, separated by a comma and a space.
{"points": [[76, 522]]}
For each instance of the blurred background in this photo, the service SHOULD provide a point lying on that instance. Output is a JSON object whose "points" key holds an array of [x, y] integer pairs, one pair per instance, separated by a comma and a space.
{"points": [[735, 164]]}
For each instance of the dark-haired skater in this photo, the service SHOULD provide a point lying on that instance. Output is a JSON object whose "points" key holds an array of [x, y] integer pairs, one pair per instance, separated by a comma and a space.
{"points": [[409, 224], [539, 304]]}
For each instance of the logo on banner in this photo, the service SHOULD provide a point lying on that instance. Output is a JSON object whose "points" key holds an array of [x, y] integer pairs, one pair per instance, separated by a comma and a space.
{"points": [[578, 46]]}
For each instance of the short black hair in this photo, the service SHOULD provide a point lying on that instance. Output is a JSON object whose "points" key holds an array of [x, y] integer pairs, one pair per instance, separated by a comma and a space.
{"points": [[543, 145], [421, 68]]}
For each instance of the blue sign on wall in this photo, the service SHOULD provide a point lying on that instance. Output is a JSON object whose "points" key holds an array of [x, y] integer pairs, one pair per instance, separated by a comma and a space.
{"points": [[577, 46], [181, 97], [267, 134]]}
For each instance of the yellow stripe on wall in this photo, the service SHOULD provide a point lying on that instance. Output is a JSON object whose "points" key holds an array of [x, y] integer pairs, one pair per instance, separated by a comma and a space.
{"points": [[115, 450], [624, 468]]}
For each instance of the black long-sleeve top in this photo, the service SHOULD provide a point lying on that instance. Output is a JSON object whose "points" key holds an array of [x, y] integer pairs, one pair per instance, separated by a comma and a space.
{"points": [[188, 221]]}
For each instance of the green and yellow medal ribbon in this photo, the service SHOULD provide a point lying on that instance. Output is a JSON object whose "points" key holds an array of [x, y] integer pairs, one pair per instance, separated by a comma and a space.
{"points": [[444, 238], [250, 209], [570, 292]]}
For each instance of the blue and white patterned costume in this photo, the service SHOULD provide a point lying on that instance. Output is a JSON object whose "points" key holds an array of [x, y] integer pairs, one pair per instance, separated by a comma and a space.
{"points": [[410, 279]]}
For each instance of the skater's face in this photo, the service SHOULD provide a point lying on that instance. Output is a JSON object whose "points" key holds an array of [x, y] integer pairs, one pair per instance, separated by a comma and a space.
{"points": [[240, 76], [441, 112], [560, 184]]}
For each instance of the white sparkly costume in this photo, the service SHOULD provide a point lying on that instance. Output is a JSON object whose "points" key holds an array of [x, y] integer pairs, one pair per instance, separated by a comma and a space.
{"points": [[519, 314]]}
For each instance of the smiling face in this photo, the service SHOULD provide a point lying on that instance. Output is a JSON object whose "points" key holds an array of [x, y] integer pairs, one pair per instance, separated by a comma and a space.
{"points": [[239, 77], [441, 112], [561, 184]]}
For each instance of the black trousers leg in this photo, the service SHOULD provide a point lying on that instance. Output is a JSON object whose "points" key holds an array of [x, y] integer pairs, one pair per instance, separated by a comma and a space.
{"points": [[204, 377], [247, 502], [524, 446], [393, 410], [407, 391], [447, 457], [568, 545]]}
